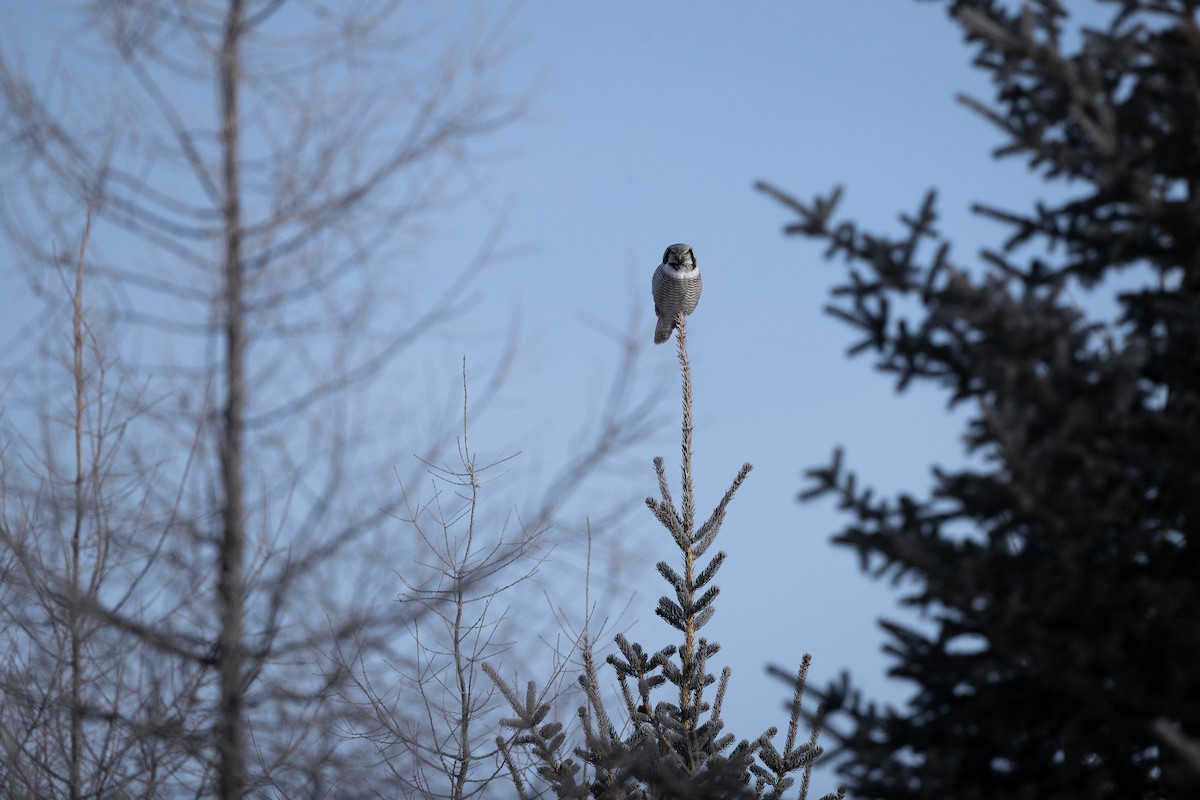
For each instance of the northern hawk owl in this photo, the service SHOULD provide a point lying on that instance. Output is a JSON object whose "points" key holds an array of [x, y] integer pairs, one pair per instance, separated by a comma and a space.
{"points": [[676, 288]]}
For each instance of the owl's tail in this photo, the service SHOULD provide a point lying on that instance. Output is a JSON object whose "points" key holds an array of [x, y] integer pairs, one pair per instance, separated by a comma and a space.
{"points": [[662, 331]]}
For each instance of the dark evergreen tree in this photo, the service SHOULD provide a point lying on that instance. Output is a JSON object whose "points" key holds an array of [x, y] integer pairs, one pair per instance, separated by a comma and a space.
{"points": [[1066, 657]]}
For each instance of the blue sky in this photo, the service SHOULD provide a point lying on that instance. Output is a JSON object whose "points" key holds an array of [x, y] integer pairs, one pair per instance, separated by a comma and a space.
{"points": [[648, 124], [652, 124]]}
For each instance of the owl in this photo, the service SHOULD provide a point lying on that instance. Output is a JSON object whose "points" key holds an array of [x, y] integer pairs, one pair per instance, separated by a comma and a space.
{"points": [[676, 288]]}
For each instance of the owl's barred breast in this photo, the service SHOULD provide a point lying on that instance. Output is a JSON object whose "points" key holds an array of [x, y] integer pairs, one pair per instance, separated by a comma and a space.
{"points": [[673, 296]]}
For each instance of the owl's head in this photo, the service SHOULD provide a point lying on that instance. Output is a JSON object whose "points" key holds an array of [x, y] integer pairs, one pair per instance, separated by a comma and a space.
{"points": [[680, 258]]}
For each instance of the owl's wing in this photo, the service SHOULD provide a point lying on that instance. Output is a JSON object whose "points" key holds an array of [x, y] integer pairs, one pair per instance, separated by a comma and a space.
{"points": [[658, 288]]}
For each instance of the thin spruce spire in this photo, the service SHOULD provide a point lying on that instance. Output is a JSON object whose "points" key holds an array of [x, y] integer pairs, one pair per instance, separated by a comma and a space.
{"points": [[662, 749]]}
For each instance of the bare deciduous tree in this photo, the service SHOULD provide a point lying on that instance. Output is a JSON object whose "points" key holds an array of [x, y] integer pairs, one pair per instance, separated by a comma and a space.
{"points": [[179, 601], [429, 712]]}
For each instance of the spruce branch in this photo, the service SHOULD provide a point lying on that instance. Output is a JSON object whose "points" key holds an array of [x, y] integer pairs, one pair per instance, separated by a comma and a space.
{"points": [[685, 612], [1187, 747]]}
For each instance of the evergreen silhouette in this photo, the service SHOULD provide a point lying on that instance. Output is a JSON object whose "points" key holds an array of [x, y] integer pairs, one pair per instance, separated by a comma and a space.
{"points": [[1065, 662], [675, 747]]}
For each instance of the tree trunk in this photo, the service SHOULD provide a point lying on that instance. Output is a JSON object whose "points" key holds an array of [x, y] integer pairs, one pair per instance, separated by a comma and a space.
{"points": [[231, 768]]}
